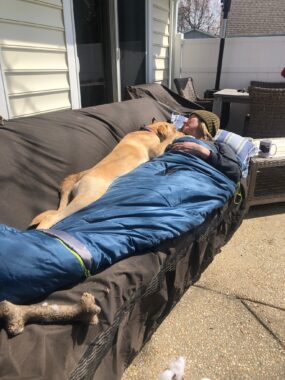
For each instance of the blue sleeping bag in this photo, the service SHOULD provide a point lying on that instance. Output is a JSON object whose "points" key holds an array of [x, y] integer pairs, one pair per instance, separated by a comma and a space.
{"points": [[159, 200]]}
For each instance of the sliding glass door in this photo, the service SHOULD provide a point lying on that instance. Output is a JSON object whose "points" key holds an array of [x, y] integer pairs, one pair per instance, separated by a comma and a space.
{"points": [[111, 47], [132, 42], [94, 51]]}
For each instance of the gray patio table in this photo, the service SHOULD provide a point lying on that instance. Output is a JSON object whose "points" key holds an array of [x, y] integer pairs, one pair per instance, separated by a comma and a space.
{"points": [[223, 100]]}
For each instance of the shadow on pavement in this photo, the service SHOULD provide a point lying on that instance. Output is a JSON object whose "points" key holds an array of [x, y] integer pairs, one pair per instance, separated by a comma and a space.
{"points": [[266, 210]]}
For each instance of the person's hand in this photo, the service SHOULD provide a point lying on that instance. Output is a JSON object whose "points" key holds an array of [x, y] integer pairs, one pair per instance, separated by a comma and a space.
{"points": [[192, 148]]}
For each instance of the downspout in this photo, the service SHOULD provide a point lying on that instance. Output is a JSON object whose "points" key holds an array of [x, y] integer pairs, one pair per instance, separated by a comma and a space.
{"points": [[226, 9], [72, 56], [116, 68], [148, 39], [173, 29]]}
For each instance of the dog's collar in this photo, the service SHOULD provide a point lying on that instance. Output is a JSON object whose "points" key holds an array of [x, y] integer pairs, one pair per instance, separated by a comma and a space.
{"points": [[147, 129]]}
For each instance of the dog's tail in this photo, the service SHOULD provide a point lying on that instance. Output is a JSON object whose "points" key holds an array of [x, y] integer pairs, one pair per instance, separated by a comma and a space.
{"points": [[175, 370]]}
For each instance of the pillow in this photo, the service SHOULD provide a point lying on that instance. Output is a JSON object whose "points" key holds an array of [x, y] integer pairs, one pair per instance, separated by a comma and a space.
{"points": [[242, 146]]}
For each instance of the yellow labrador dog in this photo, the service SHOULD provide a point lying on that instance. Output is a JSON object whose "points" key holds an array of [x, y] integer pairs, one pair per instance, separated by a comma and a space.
{"points": [[81, 189]]}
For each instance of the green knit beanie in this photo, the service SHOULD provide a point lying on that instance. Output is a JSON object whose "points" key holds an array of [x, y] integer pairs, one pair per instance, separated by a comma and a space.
{"points": [[211, 120]]}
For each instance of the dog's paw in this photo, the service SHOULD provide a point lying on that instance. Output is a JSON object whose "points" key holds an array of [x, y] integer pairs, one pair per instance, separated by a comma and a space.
{"points": [[40, 218]]}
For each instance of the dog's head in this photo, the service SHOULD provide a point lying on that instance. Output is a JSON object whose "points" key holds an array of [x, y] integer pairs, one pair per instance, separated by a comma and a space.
{"points": [[162, 129]]}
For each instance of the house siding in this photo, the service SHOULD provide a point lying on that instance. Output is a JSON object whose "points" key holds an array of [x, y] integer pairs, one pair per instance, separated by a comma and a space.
{"points": [[256, 17], [160, 22], [33, 56]]}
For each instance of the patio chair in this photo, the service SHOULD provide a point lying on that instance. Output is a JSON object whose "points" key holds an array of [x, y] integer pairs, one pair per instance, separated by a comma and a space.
{"points": [[267, 113], [268, 84], [185, 87], [266, 120]]}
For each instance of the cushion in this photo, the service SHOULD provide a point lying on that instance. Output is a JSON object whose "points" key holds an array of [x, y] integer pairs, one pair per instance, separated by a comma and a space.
{"points": [[242, 146]]}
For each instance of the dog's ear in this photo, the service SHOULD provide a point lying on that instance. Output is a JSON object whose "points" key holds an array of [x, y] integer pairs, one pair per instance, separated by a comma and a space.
{"points": [[162, 131], [153, 120]]}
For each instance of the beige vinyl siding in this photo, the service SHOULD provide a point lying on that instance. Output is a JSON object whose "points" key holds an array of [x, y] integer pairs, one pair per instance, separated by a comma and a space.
{"points": [[25, 83], [27, 59], [162, 27], [160, 64], [31, 12], [160, 52], [57, 3], [160, 40], [44, 102], [26, 36], [33, 56]]}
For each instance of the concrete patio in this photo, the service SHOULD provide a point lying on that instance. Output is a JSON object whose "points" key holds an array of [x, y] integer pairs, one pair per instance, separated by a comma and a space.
{"points": [[230, 324]]}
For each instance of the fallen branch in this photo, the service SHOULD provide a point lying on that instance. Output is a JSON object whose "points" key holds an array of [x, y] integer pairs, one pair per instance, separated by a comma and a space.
{"points": [[16, 316]]}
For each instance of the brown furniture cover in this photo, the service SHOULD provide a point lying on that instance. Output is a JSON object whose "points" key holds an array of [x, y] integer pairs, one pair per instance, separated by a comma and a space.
{"points": [[135, 294], [162, 95]]}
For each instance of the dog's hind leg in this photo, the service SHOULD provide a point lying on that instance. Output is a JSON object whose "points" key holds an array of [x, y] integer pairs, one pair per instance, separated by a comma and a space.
{"points": [[66, 188], [89, 190]]}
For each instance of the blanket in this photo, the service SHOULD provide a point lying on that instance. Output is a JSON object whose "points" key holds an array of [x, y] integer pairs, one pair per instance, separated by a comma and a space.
{"points": [[159, 200]]}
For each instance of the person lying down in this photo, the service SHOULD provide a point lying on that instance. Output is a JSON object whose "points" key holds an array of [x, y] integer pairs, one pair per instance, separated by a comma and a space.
{"points": [[203, 125], [161, 199]]}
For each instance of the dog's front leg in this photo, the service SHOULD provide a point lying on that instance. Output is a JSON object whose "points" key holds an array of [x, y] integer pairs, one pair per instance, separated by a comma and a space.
{"points": [[37, 220], [164, 144]]}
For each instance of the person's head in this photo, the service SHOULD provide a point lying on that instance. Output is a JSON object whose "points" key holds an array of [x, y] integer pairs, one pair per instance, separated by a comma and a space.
{"points": [[201, 124]]}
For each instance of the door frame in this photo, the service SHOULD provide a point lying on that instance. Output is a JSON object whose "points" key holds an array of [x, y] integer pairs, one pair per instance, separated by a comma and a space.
{"points": [[148, 43], [72, 56], [5, 110]]}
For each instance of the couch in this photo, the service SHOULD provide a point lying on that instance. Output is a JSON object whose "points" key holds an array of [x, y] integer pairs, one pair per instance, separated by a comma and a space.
{"points": [[134, 294]]}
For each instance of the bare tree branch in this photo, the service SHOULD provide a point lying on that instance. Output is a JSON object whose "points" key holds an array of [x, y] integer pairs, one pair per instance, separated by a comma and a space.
{"points": [[199, 14]]}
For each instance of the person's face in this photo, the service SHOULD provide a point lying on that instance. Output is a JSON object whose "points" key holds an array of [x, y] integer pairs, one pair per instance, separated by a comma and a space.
{"points": [[191, 126]]}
